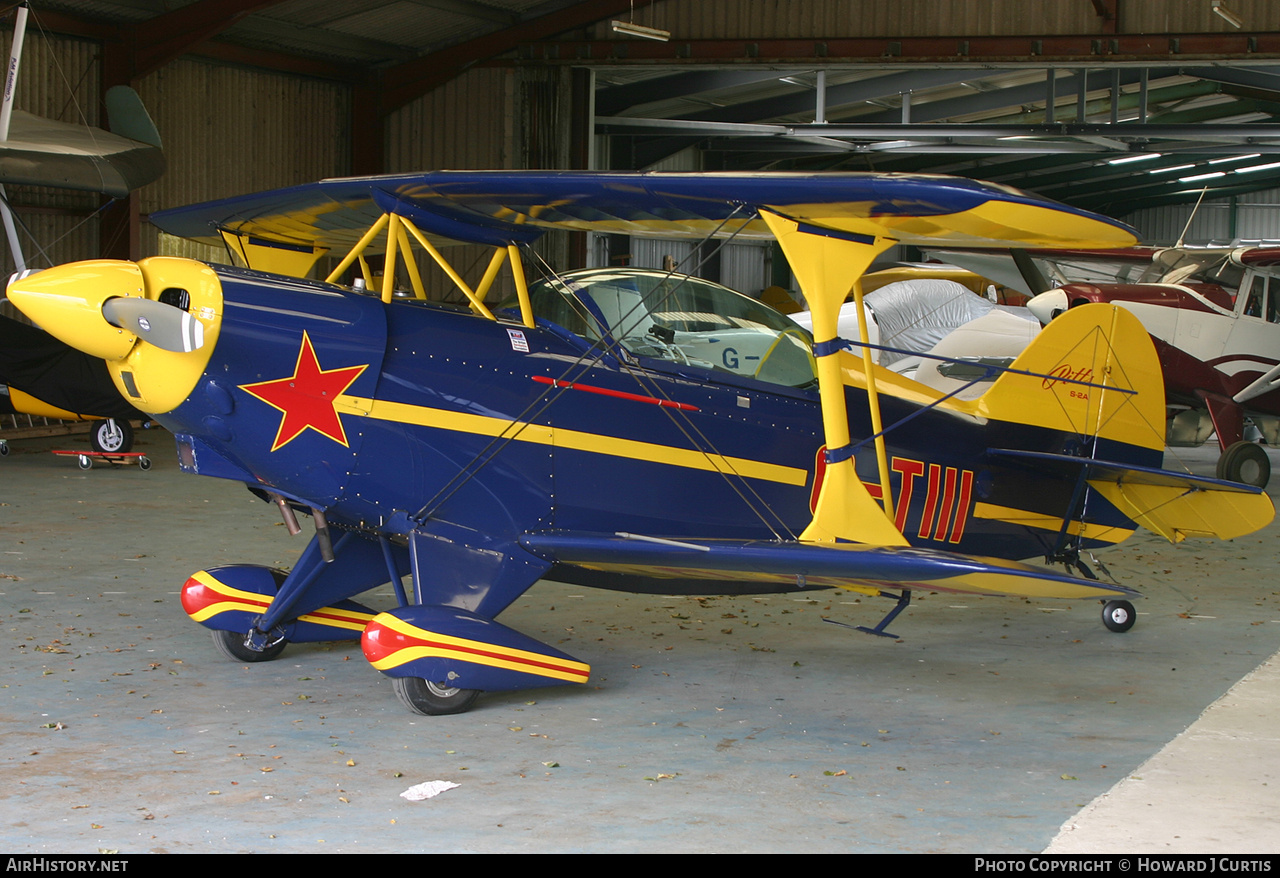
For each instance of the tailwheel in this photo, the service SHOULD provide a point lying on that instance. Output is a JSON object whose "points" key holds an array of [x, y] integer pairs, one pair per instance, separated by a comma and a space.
{"points": [[231, 644], [1118, 616], [427, 698]]}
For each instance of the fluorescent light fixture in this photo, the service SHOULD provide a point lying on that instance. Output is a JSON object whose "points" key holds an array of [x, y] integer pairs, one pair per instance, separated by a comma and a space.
{"points": [[1170, 170], [1252, 168], [1134, 158], [1226, 14], [1234, 158], [1208, 176], [626, 28]]}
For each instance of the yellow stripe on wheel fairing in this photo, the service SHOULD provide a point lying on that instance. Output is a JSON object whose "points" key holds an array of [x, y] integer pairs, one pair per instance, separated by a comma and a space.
{"points": [[429, 644]]}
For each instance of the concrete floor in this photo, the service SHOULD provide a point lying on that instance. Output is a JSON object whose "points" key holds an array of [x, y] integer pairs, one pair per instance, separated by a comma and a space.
{"points": [[726, 724]]}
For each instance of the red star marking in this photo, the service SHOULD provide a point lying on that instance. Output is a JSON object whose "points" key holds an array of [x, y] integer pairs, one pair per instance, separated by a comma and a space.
{"points": [[306, 398]]}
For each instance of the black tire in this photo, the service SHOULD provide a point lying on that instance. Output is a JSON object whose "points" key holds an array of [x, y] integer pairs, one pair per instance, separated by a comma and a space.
{"points": [[231, 645], [1247, 463], [432, 699], [105, 437], [144, 463], [1118, 616]]}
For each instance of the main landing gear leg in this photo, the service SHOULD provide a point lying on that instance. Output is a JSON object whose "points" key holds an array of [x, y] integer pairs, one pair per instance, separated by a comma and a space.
{"points": [[235, 646], [444, 647]]}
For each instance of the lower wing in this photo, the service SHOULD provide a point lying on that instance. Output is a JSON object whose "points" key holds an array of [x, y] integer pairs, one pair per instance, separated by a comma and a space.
{"points": [[795, 565]]}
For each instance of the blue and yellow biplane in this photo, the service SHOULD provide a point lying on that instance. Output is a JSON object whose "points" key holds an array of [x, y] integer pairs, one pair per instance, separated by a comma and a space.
{"points": [[620, 428]]}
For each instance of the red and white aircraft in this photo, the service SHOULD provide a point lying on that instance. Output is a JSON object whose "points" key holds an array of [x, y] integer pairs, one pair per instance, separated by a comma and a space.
{"points": [[1214, 314]]}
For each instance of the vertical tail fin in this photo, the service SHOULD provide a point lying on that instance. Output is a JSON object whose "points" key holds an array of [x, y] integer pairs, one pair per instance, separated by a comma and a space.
{"points": [[1095, 373]]}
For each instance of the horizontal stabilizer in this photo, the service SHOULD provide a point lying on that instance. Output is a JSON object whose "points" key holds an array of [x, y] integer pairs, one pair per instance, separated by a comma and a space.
{"points": [[795, 565], [1174, 505], [1069, 466]]}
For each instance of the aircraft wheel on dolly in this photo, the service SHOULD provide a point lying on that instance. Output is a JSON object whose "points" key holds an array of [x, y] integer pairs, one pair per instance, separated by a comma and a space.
{"points": [[1118, 616], [111, 436], [432, 699], [1245, 462], [231, 644]]}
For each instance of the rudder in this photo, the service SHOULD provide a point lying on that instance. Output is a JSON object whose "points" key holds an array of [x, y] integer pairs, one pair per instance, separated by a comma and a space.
{"points": [[1092, 371]]}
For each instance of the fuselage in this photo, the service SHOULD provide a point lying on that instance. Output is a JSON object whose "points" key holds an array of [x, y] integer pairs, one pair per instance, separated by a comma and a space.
{"points": [[382, 415]]}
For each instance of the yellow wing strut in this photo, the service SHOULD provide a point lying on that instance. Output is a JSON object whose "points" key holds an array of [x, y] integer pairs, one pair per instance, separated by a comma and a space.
{"points": [[398, 230], [826, 266]]}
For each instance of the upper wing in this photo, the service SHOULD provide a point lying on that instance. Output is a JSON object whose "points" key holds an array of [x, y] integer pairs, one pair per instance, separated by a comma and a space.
{"points": [[500, 207], [796, 565]]}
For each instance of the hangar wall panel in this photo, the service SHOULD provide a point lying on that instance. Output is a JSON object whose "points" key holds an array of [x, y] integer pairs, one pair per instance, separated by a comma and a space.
{"points": [[229, 130], [57, 77], [1164, 225], [732, 19], [1249, 218], [1194, 16], [465, 123], [50, 236]]}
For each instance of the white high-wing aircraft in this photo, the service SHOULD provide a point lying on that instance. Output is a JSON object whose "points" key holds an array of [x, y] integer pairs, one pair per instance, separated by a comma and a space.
{"points": [[1214, 314]]}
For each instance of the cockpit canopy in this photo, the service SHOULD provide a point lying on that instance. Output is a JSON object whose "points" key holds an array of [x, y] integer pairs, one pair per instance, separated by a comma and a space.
{"points": [[678, 318]]}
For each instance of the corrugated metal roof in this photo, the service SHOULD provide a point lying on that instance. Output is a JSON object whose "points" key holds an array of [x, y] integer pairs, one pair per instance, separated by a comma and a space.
{"points": [[367, 32], [1156, 77]]}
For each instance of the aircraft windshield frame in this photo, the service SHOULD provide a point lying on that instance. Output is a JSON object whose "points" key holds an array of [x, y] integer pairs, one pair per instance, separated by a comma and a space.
{"points": [[687, 320]]}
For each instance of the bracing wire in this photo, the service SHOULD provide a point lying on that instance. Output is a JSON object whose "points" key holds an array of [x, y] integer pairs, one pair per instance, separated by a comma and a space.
{"points": [[535, 408], [585, 361]]}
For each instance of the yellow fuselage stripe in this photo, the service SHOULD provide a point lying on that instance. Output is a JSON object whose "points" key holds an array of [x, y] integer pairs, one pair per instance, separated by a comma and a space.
{"points": [[1038, 520], [483, 425]]}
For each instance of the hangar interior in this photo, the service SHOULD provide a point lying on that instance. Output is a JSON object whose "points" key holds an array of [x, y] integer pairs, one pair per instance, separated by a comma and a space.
{"points": [[1160, 113]]}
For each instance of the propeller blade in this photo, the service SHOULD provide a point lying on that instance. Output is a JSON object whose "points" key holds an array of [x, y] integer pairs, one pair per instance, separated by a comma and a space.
{"points": [[164, 326]]}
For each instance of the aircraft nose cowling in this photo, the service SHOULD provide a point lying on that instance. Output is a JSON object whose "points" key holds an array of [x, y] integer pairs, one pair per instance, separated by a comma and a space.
{"points": [[1044, 305], [66, 301], [154, 322]]}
